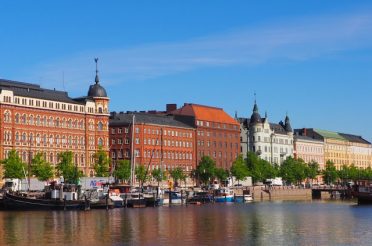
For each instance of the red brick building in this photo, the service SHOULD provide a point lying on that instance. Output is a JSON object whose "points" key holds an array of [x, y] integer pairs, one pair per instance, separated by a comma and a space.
{"points": [[34, 119], [217, 133], [159, 141]]}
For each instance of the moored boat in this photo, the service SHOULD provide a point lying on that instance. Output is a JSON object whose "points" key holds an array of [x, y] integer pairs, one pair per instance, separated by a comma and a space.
{"points": [[363, 192], [200, 198], [223, 195]]}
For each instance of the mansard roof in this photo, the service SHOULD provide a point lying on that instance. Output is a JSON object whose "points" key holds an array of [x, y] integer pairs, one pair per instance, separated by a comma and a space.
{"points": [[35, 91], [119, 119]]}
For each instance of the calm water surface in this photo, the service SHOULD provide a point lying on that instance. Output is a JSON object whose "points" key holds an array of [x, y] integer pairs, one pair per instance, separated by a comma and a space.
{"points": [[271, 223]]}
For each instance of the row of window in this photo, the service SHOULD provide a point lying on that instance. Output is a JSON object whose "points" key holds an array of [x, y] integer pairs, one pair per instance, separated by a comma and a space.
{"points": [[225, 155], [53, 158], [220, 144], [311, 149], [51, 122], [216, 125], [45, 104], [51, 139], [274, 140], [214, 134]]}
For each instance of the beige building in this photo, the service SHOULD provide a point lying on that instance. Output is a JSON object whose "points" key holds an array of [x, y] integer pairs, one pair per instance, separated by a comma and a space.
{"points": [[309, 149], [342, 149]]}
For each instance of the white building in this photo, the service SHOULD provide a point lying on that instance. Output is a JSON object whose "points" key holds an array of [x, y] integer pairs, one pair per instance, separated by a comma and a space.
{"points": [[272, 142]]}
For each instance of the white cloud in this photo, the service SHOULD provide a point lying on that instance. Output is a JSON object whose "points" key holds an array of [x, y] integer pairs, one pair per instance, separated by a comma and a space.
{"points": [[294, 40]]}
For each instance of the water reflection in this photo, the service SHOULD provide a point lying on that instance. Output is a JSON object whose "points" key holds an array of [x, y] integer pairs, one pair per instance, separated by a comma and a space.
{"points": [[286, 223]]}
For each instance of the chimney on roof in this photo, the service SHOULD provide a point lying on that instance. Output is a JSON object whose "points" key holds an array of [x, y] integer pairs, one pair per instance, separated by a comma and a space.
{"points": [[305, 132], [171, 107]]}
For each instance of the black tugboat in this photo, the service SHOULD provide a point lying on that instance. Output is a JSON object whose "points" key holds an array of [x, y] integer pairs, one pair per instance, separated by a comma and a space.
{"points": [[56, 197]]}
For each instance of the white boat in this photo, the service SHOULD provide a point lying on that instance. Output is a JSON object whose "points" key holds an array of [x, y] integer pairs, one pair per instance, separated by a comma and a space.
{"points": [[223, 195], [175, 196]]}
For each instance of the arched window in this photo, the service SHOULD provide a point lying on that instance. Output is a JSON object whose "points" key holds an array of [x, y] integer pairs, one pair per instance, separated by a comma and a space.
{"points": [[45, 122], [38, 120], [24, 137], [82, 159], [51, 122], [31, 138], [6, 116], [38, 138], [63, 140], [100, 142], [100, 126], [24, 119], [100, 110], [17, 137], [69, 123], [24, 156], [57, 122], [51, 158], [31, 121], [16, 119], [69, 140], [51, 139], [57, 139]]}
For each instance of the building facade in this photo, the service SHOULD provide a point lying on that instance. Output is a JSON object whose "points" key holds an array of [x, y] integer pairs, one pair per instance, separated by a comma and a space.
{"points": [[35, 119], [342, 149], [271, 142], [159, 141], [217, 133], [309, 149]]}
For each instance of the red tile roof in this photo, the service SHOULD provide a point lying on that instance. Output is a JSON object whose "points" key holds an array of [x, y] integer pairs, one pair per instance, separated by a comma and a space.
{"points": [[206, 113]]}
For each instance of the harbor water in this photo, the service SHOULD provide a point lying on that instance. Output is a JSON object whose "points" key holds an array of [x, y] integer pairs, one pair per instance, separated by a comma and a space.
{"points": [[267, 223]]}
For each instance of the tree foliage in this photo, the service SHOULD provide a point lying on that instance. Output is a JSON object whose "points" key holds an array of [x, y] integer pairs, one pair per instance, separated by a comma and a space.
{"points": [[293, 170], [101, 163], [14, 168], [42, 169], [158, 174], [239, 169], [67, 168], [205, 171], [141, 174], [122, 170], [221, 174], [177, 174], [259, 169], [330, 173]]}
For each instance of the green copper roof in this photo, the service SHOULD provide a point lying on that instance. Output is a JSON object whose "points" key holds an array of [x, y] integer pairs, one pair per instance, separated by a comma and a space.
{"points": [[329, 134]]}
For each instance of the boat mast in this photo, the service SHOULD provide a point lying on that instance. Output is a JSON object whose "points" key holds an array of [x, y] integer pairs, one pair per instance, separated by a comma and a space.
{"points": [[133, 158]]}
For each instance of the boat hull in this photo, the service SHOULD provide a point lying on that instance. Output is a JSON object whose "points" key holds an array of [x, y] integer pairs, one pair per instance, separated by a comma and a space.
{"points": [[14, 202], [224, 198]]}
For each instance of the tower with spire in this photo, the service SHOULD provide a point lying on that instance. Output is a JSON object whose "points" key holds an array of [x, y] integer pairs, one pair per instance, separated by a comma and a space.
{"points": [[271, 142]]}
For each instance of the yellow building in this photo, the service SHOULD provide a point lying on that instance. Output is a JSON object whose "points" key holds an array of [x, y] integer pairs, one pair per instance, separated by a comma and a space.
{"points": [[342, 149]]}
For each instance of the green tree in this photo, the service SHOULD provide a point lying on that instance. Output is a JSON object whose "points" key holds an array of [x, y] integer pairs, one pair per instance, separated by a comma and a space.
{"points": [[239, 169], [293, 170], [259, 169], [67, 168], [141, 174], [42, 169], [14, 168], [330, 174], [221, 174], [158, 175], [122, 170], [177, 174], [101, 163], [312, 170], [205, 171]]}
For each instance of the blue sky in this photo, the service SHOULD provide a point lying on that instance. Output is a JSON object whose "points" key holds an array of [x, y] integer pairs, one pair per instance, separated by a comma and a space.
{"points": [[312, 59]]}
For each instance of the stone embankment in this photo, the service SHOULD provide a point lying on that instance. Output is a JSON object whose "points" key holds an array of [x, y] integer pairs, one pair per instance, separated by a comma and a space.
{"points": [[285, 193]]}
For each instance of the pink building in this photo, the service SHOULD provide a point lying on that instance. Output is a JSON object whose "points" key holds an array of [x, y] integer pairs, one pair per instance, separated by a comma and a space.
{"points": [[309, 149]]}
